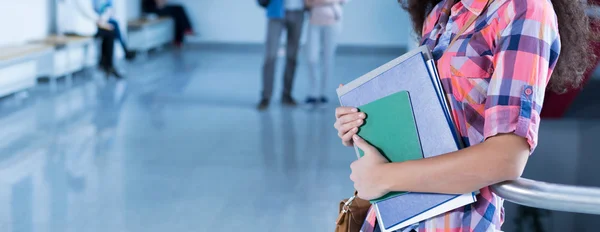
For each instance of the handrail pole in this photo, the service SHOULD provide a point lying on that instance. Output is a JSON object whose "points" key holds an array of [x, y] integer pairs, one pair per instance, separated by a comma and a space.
{"points": [[550, 196]]}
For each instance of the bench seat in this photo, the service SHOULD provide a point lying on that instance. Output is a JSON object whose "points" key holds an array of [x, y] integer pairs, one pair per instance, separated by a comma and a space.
{"points": [[71, 54], [146, 34], [19, 66]]}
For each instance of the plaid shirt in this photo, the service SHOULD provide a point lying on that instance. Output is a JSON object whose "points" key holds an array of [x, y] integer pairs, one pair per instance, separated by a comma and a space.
{"points": [[495, 77]]}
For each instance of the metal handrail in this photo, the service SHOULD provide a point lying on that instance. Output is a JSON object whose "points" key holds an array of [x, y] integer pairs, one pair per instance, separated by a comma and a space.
{"points": [[550, 196]]}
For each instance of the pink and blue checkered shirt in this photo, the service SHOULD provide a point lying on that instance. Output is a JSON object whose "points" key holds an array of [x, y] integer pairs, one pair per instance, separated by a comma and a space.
{"points": [[495, 77]]}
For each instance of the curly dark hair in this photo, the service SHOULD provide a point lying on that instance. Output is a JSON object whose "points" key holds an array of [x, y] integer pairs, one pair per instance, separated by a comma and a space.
{"points": [[575, 56]]}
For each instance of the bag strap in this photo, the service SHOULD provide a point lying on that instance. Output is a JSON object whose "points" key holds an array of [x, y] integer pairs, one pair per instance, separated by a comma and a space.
{"points": [[346, 208], [468, 24]]}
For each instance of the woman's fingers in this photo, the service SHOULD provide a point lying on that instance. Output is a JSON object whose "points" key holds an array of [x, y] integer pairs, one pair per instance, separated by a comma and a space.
{"points": [[348, 118], [346, 127], [343, 110], [364, 145], [348, 122], [346, 131], [347, 138]]}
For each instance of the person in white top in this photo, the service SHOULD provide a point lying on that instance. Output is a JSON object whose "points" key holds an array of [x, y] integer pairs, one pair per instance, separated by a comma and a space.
{"points": [[83, 20], [325, 19]]}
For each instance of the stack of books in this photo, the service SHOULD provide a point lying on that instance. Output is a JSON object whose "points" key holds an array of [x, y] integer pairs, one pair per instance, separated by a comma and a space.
{"points": [[408, 118]]}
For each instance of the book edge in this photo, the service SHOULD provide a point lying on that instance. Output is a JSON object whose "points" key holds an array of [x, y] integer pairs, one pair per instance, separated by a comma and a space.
{"points": [[405, 223], [424, 50], [381, 69]]}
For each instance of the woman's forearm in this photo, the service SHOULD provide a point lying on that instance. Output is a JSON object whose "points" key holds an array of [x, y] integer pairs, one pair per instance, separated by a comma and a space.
{"points": [[498, 159]]}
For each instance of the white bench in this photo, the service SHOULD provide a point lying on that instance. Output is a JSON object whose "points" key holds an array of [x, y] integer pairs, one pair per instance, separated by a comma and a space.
{"points": [[146, 34], [71, 54], [19, 66]]}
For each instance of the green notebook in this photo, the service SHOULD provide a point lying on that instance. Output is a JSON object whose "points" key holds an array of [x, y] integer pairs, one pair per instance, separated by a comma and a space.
{"points": [[390, 127]]}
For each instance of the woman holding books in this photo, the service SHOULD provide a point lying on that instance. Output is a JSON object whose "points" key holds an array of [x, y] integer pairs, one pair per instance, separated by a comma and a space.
{"points": [[325, 20], [495, 58]]}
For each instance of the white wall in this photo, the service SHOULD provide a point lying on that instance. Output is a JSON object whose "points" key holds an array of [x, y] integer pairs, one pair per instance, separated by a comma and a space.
{"points": [[375, 22], [23, 20], [133, 9], [230, 21], [367, 22], [28, 20]]}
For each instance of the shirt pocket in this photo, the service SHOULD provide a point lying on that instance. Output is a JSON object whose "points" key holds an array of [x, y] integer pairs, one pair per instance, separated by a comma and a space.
{"points": [[470, 78]]}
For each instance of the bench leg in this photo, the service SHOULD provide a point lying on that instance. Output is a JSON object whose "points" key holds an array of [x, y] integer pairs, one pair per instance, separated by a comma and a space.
{"points": [[69, 79], [86, 72], [143, 54], [53, 87]]}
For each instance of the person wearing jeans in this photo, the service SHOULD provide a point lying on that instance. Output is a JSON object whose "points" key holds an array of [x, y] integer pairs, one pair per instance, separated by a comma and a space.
{"points": [[83, 20], [325, 18], [288, 15], [117, 30], [105, 9]]}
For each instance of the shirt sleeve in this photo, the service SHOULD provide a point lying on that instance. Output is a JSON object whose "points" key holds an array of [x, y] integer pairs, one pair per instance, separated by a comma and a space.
{"points": [[526, 52]]}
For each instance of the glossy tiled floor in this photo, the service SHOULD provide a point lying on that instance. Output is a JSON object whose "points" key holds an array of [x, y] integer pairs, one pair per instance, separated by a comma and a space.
{"points": [[177, 147]]}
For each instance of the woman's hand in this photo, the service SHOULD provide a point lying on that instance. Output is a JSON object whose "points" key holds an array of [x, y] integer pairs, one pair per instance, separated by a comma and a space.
{"points": [[347, 122], [366, 171], [104, 25]]}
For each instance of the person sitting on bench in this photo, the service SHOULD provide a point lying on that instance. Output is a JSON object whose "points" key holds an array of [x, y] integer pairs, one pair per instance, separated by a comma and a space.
{"points": [[85, 21], [105, 8], [183, 25]]}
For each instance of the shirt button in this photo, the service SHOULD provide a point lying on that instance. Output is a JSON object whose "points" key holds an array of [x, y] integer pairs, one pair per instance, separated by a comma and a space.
{"points": [[491, 70], [528, 91]]}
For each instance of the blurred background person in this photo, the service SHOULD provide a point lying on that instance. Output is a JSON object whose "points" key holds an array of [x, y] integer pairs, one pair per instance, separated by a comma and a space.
{"points": [[105, 7], [85, 21], [324, 26], [183, 26], [288, 15]]}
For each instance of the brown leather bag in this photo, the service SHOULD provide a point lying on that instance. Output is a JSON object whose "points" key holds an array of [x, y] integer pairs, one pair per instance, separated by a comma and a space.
{"points": [[352, 214]]}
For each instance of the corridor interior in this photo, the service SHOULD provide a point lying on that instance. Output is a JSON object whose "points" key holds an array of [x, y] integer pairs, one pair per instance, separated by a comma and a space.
{"points": [[179, 146]]}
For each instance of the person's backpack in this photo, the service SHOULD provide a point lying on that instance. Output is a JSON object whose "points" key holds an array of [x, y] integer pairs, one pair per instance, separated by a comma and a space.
{"points": [[264, 3]]}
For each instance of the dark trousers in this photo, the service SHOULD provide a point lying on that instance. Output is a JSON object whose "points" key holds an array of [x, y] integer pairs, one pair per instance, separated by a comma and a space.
{"points": [[182, 21], [292, 23], [108, 47]]}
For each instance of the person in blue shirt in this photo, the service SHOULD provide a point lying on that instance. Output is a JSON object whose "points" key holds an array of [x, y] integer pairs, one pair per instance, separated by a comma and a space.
{"points": [[105, 9], [288, 15]]}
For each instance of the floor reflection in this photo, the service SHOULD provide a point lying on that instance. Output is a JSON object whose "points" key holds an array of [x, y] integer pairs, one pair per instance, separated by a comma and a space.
{"points": [[54, 177]]}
